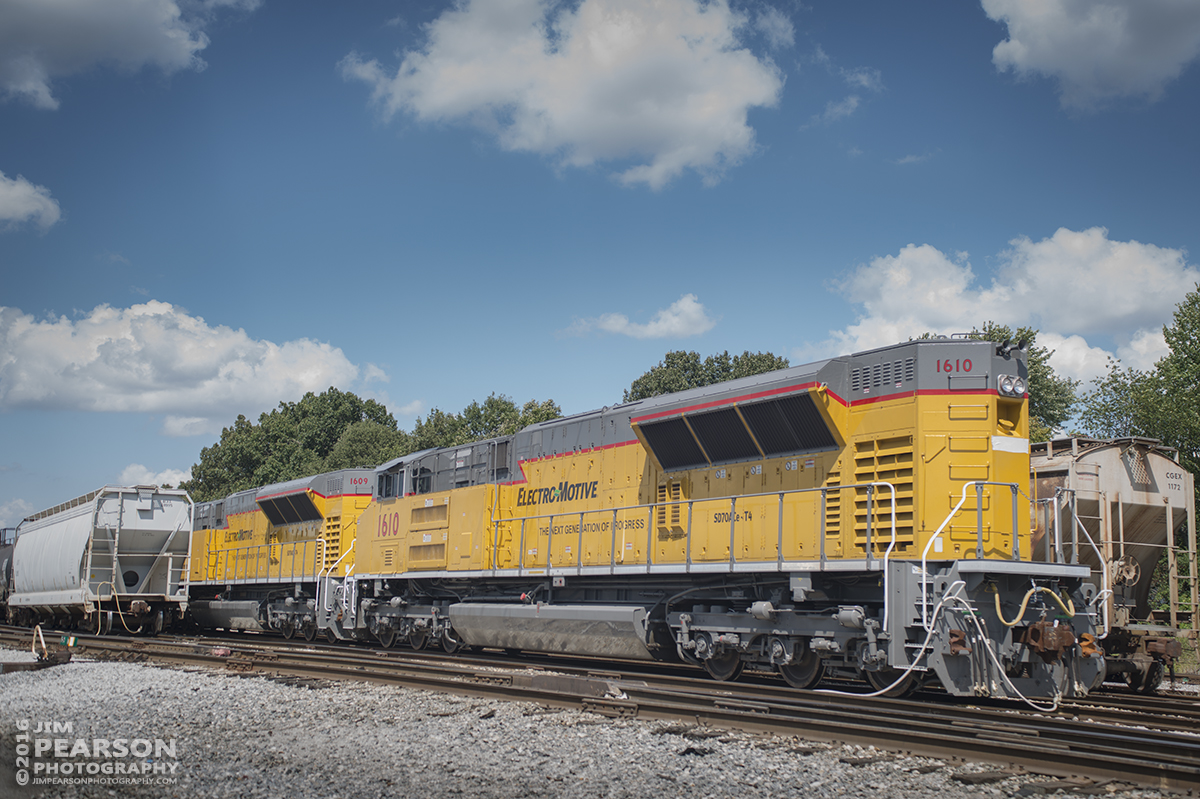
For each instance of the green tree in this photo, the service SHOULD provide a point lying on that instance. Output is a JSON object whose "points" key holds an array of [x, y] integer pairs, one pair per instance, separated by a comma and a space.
{"points": [[494, 417], [1169, 410], [367, 443], [290, 442], [1179, 381], [1052, 398], [1161, 403], [438, 429], [679, 370], [1125, 402], [533, 412]]}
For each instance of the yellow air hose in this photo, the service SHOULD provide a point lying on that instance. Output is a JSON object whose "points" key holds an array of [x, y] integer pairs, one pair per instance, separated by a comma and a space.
{"points": [[1068, 607]]}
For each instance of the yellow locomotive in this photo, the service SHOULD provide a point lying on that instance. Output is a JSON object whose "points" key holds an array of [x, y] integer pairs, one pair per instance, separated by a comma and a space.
{"points": [[862, 515], [256, 555]]}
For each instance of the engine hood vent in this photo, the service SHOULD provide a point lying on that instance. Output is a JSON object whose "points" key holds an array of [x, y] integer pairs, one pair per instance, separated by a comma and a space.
{"points": [[791, 424]]}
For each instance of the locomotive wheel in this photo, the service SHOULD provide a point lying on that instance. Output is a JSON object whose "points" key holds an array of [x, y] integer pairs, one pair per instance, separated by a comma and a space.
{"points": [[1146, 680], [450, 643], [1154, 678], [309, 631], [330, 635], [881, 679], [417, 639], [387, 637], [288, 630], [106, 622], [724, 667], [803, 672]]}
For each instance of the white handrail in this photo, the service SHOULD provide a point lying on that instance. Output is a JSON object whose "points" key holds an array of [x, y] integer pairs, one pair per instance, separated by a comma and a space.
{"points": [[651, 506], [925, 555], [1103, 575], [320, 578], [887, 555]]}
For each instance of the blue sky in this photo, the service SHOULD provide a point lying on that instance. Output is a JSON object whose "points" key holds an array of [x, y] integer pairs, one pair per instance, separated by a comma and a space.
{"points": [[209, 206]]}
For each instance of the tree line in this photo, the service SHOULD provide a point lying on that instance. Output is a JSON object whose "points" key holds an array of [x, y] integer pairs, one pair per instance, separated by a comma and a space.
{"points": [[340, 430]]}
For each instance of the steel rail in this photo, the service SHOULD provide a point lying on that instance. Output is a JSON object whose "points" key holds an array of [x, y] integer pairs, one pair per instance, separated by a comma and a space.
{"points": [[1058, 746]]}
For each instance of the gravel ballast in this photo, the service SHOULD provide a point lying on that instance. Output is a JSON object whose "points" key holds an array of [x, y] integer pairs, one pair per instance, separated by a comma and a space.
{"points": [[254, 737]]}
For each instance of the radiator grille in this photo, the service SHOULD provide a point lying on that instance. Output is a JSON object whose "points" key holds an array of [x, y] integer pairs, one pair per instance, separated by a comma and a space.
{"points": [[432, 513], [887, 460], [670, 517], [427, 552]]}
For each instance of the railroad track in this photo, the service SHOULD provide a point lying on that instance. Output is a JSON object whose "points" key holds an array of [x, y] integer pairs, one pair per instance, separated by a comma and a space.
{"points": [[1145, 741]]}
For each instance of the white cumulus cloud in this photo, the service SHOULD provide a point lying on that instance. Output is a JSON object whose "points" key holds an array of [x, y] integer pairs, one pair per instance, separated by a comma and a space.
{"points": [[135, 474], [1071, 285], [12, 512], [414, 408], [1098, 50], [22, 201], [837, 110], [867, 78], [685, 317], [776, 27], [41, 40], [857, 78], [667, 84], [156, 358]]}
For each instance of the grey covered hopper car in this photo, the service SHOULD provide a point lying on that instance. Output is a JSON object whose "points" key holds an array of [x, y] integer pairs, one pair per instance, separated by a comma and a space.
{"points": [[1120, 507], [114, 559]]}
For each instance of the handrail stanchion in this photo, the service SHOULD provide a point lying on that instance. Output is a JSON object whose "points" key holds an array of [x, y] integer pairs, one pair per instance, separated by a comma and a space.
{"points": [[1059, 555], [732, 521], [1046, 534], [579, 555], [979, 521], [612, 548], [649, 538], [870, 514], [823, 520], [687, 540], [779, 543], [1074, 526], [521, 553], [496, 545], [1016, 532]]}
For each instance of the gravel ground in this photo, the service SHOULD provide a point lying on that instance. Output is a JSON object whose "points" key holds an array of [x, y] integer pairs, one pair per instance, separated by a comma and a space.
{"points": [[253, 737]]}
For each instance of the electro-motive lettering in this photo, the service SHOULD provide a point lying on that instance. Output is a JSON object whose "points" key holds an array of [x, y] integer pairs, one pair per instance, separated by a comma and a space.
{"points": [[563, 492]]}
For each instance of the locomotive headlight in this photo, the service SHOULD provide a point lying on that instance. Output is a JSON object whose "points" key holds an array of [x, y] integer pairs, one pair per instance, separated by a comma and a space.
{"points": [[1019, 387], [1006, 385]]}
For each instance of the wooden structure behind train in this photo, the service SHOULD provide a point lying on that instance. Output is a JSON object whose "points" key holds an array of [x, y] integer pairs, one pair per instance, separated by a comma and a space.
{"points": [[865, 516]]}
